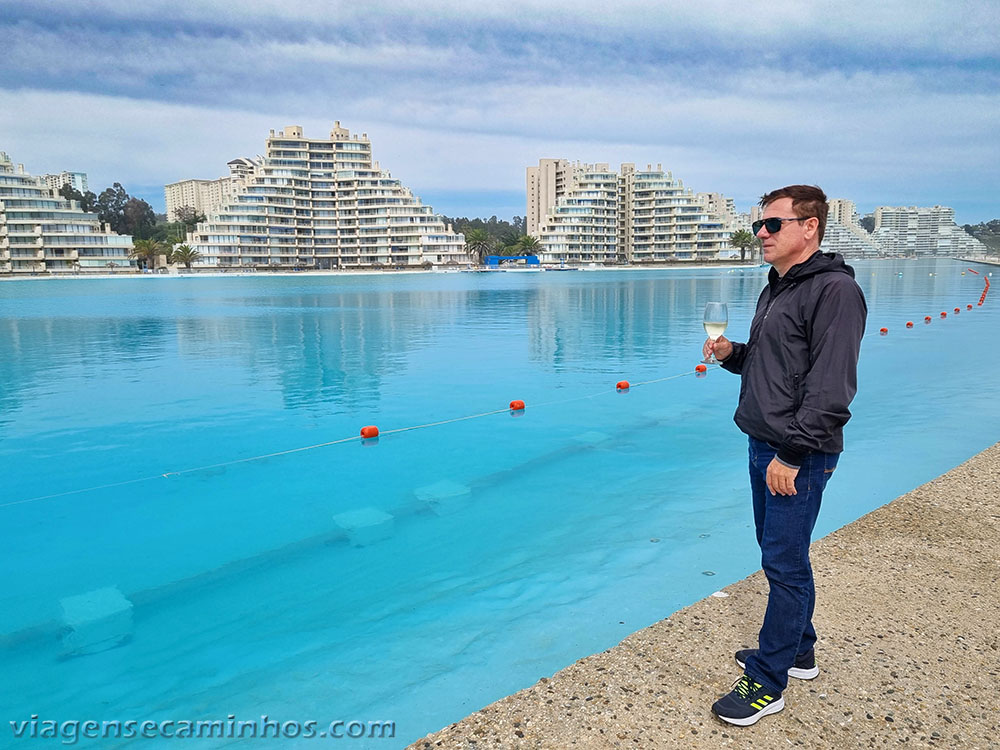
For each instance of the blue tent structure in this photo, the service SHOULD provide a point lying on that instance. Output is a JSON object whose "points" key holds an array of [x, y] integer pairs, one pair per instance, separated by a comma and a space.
{"points": [[496, 260]]}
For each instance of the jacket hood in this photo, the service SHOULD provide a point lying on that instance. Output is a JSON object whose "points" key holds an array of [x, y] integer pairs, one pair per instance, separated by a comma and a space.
{"points": [[818, 262]]}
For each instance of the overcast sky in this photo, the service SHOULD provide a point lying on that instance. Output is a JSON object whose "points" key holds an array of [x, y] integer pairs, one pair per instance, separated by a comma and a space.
{"points": [[890, 103]]}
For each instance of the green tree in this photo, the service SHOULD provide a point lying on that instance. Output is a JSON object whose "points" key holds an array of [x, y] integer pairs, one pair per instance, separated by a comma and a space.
{"points": [[189, 216], [167, 232], [87, 200], [986, 232], [110, 207], [184, 254], [146, 252], [868, 223], [139, 218], [497, 229], [744, 240], [527, 245], [478, 244], [506, 242]]}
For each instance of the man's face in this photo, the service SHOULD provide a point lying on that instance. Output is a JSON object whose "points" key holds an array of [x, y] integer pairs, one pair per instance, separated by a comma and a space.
{"points": [[784, 248]]}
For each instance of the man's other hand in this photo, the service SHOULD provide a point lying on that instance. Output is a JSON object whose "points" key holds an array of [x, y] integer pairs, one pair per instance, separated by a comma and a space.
{"points": [[721, 348], [780, 478]]}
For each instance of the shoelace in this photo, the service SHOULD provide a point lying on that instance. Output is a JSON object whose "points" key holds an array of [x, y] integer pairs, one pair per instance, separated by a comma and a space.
{"points": [[743, 687]]}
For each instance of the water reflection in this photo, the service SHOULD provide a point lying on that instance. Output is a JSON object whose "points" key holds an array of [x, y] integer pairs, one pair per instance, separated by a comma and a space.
{"points": [[503, 534]]}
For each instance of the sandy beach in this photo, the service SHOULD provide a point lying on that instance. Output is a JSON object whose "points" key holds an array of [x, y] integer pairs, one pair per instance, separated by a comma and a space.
{"points": [[909, 650]]}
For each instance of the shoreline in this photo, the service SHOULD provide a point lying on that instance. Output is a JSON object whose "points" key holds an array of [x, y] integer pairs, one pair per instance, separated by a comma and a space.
{"points": [[373, 272], [726, 266], [903, 594]]}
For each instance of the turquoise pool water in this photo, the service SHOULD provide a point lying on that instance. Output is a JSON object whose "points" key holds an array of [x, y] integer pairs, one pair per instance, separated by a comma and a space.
{"points": [[417, 579]]}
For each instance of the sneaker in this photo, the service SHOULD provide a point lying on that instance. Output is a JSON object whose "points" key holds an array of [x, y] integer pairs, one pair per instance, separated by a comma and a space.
{"points": [[804, 668], [747, 703]]}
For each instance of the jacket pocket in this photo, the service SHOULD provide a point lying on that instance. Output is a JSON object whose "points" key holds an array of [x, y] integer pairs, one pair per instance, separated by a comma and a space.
{"points": [[796, 392]]}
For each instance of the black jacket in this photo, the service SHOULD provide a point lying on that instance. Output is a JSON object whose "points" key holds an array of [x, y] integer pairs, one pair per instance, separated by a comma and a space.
{"points": [[800, 364]]}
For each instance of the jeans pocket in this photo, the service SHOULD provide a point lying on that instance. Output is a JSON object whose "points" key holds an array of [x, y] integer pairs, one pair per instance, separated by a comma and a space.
{"points": [[829, 466]]}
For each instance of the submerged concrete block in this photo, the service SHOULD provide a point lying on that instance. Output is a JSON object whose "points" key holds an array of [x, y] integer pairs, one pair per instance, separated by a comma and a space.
{"points": [[591, 438], [444, 497], [366, 526], [97, 620]]}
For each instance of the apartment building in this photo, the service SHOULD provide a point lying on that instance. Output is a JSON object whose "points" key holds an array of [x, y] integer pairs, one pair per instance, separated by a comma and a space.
{"points": [[543, 185], [721, 205], [925, 230], [40, 232], [596, 214], [323, 204], [76, 180], [583, 224], [844, 233], [206, 196]]}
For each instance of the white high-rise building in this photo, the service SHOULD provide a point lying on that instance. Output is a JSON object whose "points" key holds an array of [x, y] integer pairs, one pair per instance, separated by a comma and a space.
{"points": [[206, 196], [668, 222], [844, 233], [323, 203], [76, 180], [582, 226], [925, 230], [721, 205], [590, 213], [543, 186], [41, 232]]}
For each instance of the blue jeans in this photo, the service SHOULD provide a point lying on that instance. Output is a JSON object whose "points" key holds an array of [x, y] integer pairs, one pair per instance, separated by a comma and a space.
{"points": [[784, 529]]}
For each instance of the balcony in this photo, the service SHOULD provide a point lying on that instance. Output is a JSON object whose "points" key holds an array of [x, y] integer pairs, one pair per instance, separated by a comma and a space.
{"points": [[52, 254]]}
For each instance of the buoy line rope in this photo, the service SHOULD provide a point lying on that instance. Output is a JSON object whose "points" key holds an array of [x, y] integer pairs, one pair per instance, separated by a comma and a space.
{"points": [[351, 439], [397, 430]]}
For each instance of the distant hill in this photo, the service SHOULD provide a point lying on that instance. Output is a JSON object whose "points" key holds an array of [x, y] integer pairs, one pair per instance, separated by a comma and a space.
{"points": [[986, 232]]}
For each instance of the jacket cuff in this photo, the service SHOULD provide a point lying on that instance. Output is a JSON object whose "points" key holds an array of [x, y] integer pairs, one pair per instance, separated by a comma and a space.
{"points": [[790, 457]]}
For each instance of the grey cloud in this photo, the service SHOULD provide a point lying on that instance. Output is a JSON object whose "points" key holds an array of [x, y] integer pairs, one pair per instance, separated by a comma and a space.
{"points": [[465, 97]]}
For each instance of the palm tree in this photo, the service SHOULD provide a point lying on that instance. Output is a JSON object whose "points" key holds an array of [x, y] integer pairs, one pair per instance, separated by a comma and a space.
{"points": [[185, 254], [147, 251], [507, 244], [743, 239], [527, 245], [478, 244]]}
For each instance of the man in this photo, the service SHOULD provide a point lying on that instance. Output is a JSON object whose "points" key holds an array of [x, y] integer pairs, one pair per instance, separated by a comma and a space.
{"points": [[799, 375]]}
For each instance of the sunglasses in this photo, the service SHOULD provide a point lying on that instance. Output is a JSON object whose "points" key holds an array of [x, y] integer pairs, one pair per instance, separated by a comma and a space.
{"points": [[773, 225]]}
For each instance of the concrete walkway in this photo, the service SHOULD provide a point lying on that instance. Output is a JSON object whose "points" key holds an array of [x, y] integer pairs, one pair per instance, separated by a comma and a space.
{"points": [[908, 614]]}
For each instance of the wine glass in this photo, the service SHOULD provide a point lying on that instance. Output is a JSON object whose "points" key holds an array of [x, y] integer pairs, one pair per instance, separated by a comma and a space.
{"points": [[716, 319]]}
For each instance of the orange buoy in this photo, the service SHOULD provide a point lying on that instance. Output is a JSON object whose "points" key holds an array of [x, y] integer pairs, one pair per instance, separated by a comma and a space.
{"points": [[909, 324], [517, 405], [883, 331], [958, 310], [371, 431], [622, 385], [944, 314], [968, 307], [927, 318], [700, 368]]}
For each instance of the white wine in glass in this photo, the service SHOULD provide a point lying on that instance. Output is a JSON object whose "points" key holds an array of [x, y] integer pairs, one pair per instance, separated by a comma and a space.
{"points": [[716, 319]]}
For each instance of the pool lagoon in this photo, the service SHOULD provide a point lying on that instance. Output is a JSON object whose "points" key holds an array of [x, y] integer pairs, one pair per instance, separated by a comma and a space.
{"points": [[144, 425]]}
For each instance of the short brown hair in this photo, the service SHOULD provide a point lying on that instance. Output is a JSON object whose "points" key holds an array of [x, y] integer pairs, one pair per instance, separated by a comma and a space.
{"points": [[807, 201]]}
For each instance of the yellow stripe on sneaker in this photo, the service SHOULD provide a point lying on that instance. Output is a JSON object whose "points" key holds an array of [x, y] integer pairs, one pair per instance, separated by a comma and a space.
{"points": [[757, 705]]}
